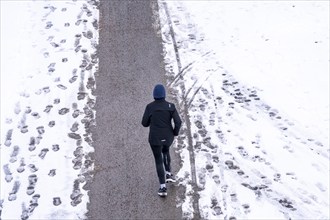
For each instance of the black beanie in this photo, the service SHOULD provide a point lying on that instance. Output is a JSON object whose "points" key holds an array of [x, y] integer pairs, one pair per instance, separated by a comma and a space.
{"points": [[159, 92]]}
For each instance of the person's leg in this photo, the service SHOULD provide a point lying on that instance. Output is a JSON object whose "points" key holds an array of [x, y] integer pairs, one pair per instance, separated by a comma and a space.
{"points": [[157, 151], [167, 158], [167, 164]]}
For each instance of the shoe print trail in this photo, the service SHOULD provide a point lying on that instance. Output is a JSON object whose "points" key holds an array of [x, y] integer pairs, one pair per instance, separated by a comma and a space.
{"points": [[239, 154], [45, 140]]}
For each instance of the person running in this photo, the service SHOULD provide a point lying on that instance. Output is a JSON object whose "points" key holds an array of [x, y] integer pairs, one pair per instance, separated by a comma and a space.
{"points": [[158, 115]]}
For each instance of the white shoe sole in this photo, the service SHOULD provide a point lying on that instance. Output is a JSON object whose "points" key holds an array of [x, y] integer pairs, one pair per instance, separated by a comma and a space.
{"points": [[162, 194], [170, 181]]}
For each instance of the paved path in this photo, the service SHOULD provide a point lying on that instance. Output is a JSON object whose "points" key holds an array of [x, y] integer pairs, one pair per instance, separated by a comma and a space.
{"points": [[125, 183]]}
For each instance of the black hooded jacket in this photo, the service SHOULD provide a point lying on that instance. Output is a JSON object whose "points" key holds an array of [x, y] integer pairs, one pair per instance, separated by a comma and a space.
{"points": [[158, 115]]}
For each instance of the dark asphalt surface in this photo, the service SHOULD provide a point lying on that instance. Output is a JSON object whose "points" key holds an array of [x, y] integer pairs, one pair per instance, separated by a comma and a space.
{"points": [[125, 182]]}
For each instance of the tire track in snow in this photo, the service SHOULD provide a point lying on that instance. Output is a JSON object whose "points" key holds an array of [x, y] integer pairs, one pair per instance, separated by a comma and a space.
{"points": [[185, 108]]}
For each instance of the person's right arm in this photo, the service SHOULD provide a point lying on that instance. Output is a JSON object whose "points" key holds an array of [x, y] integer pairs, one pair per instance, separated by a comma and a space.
{"points": [[146, 118]]}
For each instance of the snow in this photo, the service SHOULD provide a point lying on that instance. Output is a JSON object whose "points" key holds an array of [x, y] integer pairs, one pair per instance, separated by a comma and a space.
{"points": [[253, 78], [47, 75]]}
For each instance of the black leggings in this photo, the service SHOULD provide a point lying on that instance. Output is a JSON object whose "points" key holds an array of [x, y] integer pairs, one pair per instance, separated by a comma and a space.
{"points": [[162, 160]]}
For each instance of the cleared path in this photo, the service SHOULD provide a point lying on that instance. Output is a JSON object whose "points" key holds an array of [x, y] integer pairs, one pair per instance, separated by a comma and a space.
{"points": [[125, 183]]}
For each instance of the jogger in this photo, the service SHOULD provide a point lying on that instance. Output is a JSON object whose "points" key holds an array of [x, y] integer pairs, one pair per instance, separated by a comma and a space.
{"points": [[158, 115]]}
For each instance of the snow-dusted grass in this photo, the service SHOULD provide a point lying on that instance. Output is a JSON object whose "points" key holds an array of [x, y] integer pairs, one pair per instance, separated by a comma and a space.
{"points": [[254, 79], [47, 74]]}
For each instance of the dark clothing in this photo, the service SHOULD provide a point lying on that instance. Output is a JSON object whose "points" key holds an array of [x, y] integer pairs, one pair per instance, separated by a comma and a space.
{"points": [[158, 115], [162, 159]]}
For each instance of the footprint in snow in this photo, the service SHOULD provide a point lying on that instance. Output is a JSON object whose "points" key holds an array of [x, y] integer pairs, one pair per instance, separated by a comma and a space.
{"points": [[51, 124], [257, 158], [33, 168], [77, 162], [73, 79], [288, 148], [55, 147], [76, 195], [74, 127], [52, 172], [242, 152], [28, 110], [233, 197], [321, 187], [77, 49], [8, 137], [83, 64], [287, 203], [33, 142], [277, 177], [9, 120], [48, 108], [90, 83], [13, 156], [46, 89], [49, 24], [51, 67], [21, 167], [88, 162], [216, 207], [230, 165], [78, 37], [35, 115], [77, 23], [75, 113], [246, 208], [25, 212], [209, 167], [63, 111], [24, 129], [34, 202], [55, 45], [12, 195], [74, 136], [224, 188], [216, 179], [41, 130], [241, 173], [32, 183], [17, 109], [292, 175], [56, 101], [57, 201], [7, 172], [256, 189], [46, 54], [61, 86], [43, 153]]}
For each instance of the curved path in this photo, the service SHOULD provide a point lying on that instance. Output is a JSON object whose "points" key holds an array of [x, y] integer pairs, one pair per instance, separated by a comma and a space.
{"points": [[125, 183]]}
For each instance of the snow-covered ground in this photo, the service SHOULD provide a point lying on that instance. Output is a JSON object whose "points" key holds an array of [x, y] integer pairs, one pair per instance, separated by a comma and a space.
{"points": [[48, 61], [252, 81]]}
